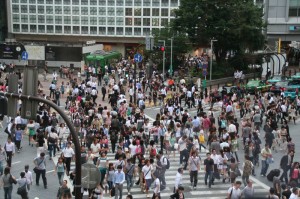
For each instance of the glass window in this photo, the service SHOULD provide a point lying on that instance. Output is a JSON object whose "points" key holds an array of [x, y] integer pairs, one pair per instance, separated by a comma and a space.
{"points": [[165, 12], [24, 28], [293, 12], [84, 30], [128, 31], [102, 30], [58, 19], [128, 21], [49, 10], [16, 18], [155, 22], [75, 20], [67, 10], [146, 3], [137, 21], [164, 22], [93, 10], [41, 9], [137, 12], [58, 10], [155, 11], [174, 3], [93, 2], [76, 30], [75, 10], [146, 12], [84, 10], [32, 9], [41, 28], [84, 20], [67, 2], [16, 27], [137, 2], [110, 21], [172, 12], [111, 11], [24, 18], [164, 3], [41, 19], [120, 2], [120, 31], [41, 1], [50, 29], [32, 18], [128, 2], [294, 8], [49, 19], [15, 8], [16, 1], [58, 29], [102, 11], [67, 29], [110, 2], [84, 2], [93, 30], [32, 28], [111, 31], [146, 22], [75, 2], [30, 1], [93, 20], [128, 11], [24, 9], [120, 21], [137, 31], [102, 2], [102, 21], [49, 1], [120, 11], [155, 3], [67, 20], [57, 2], [146, 31]]}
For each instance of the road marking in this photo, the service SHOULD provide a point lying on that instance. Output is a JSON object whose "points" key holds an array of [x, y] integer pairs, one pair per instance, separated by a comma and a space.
{"points": [[16, 162], [50, 171]]}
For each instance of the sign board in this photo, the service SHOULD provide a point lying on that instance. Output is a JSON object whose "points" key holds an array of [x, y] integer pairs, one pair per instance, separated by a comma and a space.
{"points": [[204, 83], [90, 176], [205, 64], [204, 72], [90, 42], [138, 57], [35, 52], [24, 55]]}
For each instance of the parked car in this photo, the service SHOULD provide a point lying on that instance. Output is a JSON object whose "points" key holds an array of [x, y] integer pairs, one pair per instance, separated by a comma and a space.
{"points": [[257, 85], [278, 87], [277, 78], [296, 76], [294, 82], [292, 91]]}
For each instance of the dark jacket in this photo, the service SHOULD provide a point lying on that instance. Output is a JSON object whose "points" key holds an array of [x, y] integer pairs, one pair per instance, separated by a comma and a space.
{"points": [[176, 196]]}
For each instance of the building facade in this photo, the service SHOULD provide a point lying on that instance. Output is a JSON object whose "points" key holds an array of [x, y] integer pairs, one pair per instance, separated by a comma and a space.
{"points": [[115, 23]]}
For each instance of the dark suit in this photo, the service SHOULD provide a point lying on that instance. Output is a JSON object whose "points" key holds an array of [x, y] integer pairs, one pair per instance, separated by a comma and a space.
{"points": [[285, 166]]}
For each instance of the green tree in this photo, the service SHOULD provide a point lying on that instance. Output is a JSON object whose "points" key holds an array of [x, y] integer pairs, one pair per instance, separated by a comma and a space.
{"points": [[181, 46], [236, 24]]}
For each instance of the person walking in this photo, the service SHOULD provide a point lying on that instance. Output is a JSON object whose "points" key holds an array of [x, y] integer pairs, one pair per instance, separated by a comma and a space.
{"points": [[265, 154], [60, 170], [40, 169], [178, 180], [234, 192], [18, 138], [7, 183], [52, 140], [28, 175], [248, 191], [9, 148], [2, 159], [22, 189], [209, 169], [68, 154], [130, 167], [156, 190], [63, 190], [118, 181], [286, 165], [247, 169], [194, 168]]}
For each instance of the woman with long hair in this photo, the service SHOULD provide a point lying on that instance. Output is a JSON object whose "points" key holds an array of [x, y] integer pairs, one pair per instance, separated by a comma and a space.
{"points": [[60, 170], [6, 183], [102, 164]]}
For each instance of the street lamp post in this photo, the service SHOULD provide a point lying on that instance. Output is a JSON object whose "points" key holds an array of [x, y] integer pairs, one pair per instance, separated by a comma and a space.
{"points": [[164, 57], [211, 48], [171, 61]]}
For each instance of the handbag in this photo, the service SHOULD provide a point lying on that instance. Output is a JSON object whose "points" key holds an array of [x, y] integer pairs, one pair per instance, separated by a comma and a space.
{"points": [[113, 192], [12, 180], [6, 131], [22, 190], [35, 169]]}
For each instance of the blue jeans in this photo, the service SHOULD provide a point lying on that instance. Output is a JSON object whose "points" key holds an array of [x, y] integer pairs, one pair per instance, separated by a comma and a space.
{"points": [[52, 147], [264, 167], [129, 180], [7, 192], [60, 176], [209, 175], [1, 167]]}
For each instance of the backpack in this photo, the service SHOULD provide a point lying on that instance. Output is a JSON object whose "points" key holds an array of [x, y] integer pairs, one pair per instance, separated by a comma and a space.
{"points": [[51, 140], [153, 152], [223, 124], [168, 164], [247, 168]]}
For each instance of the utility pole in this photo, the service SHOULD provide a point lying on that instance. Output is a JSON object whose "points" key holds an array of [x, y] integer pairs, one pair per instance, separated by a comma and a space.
{"points": [[211, 57], [171, 61], [164, 57]]}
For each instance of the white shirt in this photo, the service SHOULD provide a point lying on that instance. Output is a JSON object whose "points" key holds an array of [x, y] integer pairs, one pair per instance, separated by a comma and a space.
{"points": [[68, 152], [132, 149], [28, 176], [156, 186], [232, 128], [95, 149], [145, 170], [178, 180], [293, 196]]}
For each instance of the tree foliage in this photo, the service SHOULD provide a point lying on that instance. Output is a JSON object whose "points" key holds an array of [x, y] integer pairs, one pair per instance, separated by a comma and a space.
{"points": [[236, 24]]}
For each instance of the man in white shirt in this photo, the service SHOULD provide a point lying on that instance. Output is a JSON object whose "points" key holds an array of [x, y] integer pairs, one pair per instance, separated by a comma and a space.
{"points": [[235, 192], [178, 179], [28, 175], [147, 173], [232, 129], [95, 147], [156, 190], [69, 154], [294, 194]]}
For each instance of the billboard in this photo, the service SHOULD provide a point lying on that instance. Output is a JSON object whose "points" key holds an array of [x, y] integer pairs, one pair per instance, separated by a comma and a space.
{"points": [[56, 53], [11, 51], [35, 52]]}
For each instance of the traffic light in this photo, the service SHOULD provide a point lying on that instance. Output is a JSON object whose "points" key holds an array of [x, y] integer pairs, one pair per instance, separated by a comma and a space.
{"points": [[162, 48], [159, 48]]}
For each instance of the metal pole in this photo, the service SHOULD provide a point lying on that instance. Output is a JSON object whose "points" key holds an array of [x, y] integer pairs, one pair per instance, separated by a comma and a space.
{"points": [[164, 60], [211, 58], [171, 67], [77, 186], [134, 81]]}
